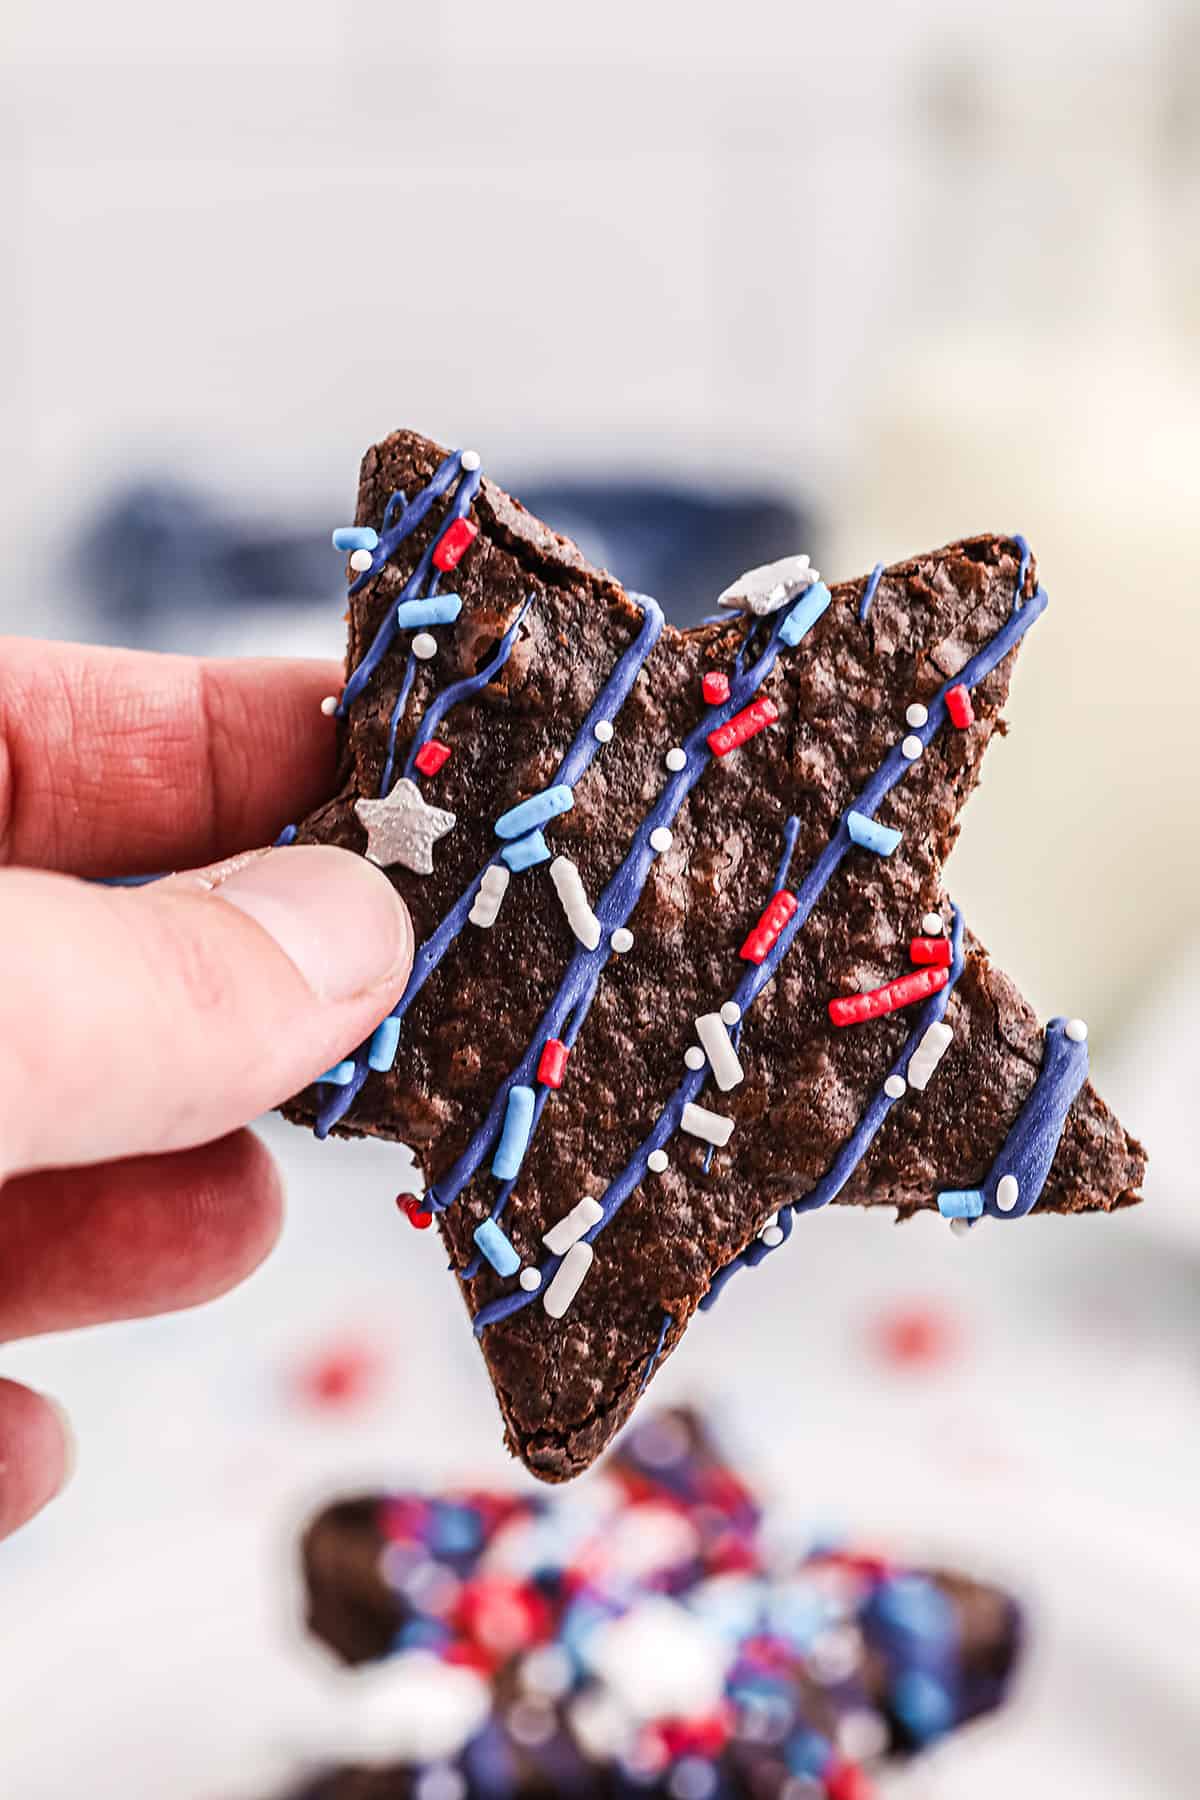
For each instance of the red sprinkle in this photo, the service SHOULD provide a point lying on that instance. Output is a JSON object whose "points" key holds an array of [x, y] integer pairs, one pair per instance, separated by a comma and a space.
{"points": [[715, 687], [935, 950], [552, 1062], [342, 1375], [852, 1009], [418, 1216], [775, 915], [431, 756], [454, 543], [846, 1781], [958, 705], [915, 1336], [744, 725]]}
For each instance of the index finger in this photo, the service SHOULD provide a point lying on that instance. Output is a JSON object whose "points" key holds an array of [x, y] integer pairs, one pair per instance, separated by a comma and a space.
{"points": [[117, 762]]}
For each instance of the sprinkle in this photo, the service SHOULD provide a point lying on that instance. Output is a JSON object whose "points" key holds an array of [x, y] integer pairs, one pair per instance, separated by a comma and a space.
{"points": [[569, 888], [431, 756], [805, 614], [424, 645], [355, 537], [530, 1279], [928, 1054], [622, 940], [514, 1138], [603, 730], [961, 1228], [454, 543], [437, 609], [402, 827], [958, 705], [770, 586], [418, 1216], [772, 1236], [895, 1087], [567, 1283], [675, 759], [341, 1074], [329, 705], [539, 809], [960, 1203], [869, 834], [361, 561], [917, 715], [552, 1062], [492, 890], [497, 1248], [774, 917], [384, 1044], [661, 839], [713, 1127], [714, 1035], [1077, 1031], [658, 1160], [934, 950], [731, 1012], [470, 461], [526, 851], [852, 1009], [743, 726], [1008, 1192], [715, 687], [573, 1225], [694, 1057], [931, 924], [911, 748]]}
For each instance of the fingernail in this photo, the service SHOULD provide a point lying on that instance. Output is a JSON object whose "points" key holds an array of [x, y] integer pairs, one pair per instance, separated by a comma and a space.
{"points": [[334, 914], [70, 1446]]}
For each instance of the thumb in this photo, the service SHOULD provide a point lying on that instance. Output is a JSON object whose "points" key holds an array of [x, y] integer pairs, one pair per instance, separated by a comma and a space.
{"points": [[140, 1020]]}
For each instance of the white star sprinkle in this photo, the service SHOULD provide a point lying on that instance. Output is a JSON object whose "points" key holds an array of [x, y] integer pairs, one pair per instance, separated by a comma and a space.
{"points": [[403, 828]]}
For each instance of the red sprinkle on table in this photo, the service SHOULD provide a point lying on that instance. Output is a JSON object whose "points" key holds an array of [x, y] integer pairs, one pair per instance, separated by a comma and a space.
{"points": [[935, 950], [418, 1216], [715, 688], [958, 705], [454, 543], [744, 725], [852, 1009], [775, 915], [431, 756], [552, 1062]]}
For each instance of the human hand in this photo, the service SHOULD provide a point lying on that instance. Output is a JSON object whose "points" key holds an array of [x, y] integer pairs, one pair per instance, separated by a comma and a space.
{"points": [[141, 1028]]}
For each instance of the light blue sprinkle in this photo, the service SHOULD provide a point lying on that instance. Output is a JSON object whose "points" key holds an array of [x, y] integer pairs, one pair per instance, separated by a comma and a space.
{"points": [[355, 537], [341, 1074], [870, 834], [382, 1053], [514, 1139], [496, 1247], [805, 614], [808, 1753], [912, 1604], [923, 1705], [527, 815], [438, 609], [960, 1203], [526, 851]]}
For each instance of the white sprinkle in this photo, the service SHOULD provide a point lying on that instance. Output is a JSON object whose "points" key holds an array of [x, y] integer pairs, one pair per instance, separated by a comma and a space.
{"points": [[772, 1237], [911, 748], [1008, 1192], [361, 560], [931, 924], [657, 1161], [531, 1722], [603, 730], [492, 890], [424, 645], [567, 1283], [622, 939], [549, 1671], [863, 1736], [713, 1127], [731, 1012], [568, 885], [571, 1227], [961, 1228], [530, 1279], [470, 461], [675, 759], [1076, 1030], [661, 839], [440, 1783], [895, 1087], [928, 1054], [714, 1035], [917, 715], [694, 1057], [692, 1779], [329, 705]]}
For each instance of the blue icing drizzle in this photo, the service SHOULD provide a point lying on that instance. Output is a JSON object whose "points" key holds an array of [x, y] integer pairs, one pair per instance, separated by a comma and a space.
{"points": [[668, 1319], [869, 592], [1029, 1148], [410, 670], [458, 691]]}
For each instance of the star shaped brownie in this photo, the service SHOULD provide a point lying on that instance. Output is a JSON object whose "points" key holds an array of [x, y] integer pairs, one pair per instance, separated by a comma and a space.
{"points": [[686, 966]]}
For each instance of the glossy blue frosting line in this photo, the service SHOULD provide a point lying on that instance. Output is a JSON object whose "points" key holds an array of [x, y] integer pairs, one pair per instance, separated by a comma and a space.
{"points": [[869, 592], [668, 1319], [458, 691], [410, 670], [1029, 1148]]}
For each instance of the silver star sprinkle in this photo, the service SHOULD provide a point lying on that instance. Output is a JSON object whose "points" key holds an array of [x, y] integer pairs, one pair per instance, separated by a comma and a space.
{"points": [[403, 828], [765, 589]]}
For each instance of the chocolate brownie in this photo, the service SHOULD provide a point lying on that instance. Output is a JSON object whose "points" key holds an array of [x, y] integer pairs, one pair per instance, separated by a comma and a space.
{"points": [[686, 968]]}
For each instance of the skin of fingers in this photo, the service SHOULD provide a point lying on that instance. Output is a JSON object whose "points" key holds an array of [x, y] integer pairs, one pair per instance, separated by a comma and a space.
{"points": [[36, 1453]]}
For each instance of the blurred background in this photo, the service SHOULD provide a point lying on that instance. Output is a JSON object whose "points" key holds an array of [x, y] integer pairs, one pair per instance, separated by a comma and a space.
{"points": [[705, 285]]}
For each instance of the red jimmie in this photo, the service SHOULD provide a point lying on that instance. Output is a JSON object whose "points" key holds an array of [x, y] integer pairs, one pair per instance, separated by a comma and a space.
{"points": [[552, 1062], [454, 543], [852, 1009], [414, 1212], [776, 913], [431, 756], [935, 950], [715, 687], [745, 724], [958, 705]]}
